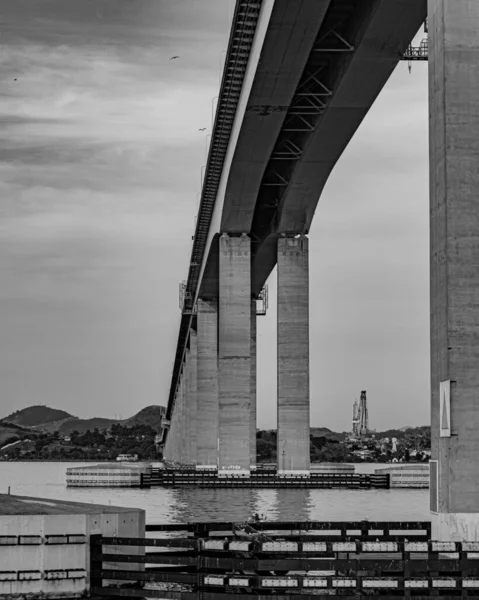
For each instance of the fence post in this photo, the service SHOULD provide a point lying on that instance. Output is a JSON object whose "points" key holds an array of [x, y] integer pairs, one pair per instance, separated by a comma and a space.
{"points": [[96, 562]]}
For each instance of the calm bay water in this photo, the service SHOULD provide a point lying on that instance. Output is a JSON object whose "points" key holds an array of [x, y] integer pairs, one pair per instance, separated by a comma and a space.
{"points": [[47, 480]]}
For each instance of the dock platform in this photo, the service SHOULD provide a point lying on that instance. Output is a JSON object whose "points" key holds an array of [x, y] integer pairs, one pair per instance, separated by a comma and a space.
{"points": [[263, 478]]}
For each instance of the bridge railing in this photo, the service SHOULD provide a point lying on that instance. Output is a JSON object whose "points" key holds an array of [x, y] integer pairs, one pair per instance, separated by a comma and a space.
{"points": [[217, 560]]}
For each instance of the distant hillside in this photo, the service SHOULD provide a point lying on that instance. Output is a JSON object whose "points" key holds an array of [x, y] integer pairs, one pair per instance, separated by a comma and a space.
{"points": [[404, 431], [36, 415], [64, 423], [10, 433], [66, 426], [151, 415], [318, 432]]}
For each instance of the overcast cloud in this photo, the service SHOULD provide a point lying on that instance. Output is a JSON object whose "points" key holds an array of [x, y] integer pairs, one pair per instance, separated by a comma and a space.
{"points": [[100, 161]]}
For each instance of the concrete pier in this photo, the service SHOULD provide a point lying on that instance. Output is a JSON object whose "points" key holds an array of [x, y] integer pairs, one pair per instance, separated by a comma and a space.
{"points": [[253, 411], [183, 447], [454, 227], [293, 356], [234, 354], [192, 404], [207, 383]]}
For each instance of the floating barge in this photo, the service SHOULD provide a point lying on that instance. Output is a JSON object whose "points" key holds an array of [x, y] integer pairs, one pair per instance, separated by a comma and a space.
{"points": [[262, 478], [107, 475], [407, 476]]}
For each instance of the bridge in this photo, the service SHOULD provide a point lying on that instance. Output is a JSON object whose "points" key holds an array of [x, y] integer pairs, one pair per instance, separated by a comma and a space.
{"points": [[299, 78]]}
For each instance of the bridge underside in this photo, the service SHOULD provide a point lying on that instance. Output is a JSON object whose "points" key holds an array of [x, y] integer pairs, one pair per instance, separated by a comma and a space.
{"points": [[320, 72]]}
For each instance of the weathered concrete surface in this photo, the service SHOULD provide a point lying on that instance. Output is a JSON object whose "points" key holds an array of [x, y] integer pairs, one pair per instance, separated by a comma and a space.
{"points": [[234, 354], [192, 406], [293, 355], [207, 382], [42, 517], [253, 410], [454, 227]]}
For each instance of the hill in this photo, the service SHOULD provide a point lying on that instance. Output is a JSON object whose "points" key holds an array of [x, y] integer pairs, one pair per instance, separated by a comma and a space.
{"points": [[151, 415], [65, 424], [318, 432], [10, 433], [36, 415]]}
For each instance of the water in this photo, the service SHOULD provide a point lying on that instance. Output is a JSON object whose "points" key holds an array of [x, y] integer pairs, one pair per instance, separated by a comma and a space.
{"points": [[47, 480]]}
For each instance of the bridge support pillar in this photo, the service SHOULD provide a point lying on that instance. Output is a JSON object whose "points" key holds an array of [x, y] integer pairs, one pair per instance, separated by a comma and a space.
{"points": [[207, 384], [253, 411], [454, 226], [183, 438], [192, 403], [234, 355], [173, 433], [293, 356]]}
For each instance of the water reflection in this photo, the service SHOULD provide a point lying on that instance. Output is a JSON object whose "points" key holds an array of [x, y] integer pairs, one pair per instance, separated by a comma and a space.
{"points": [[190, 504]]}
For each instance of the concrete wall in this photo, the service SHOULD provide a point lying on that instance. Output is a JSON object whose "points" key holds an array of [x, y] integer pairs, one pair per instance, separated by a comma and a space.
{"points": [[58, 567]]}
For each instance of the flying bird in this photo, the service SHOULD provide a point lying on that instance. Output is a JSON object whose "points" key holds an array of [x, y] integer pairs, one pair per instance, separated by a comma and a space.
{"points": [[173, 57], [203, 129]]}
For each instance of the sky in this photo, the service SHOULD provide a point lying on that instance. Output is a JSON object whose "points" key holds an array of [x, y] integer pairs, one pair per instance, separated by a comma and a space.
{"points": [[100, 167]]}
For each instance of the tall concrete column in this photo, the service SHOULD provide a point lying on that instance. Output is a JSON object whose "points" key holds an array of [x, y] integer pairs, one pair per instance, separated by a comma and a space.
{"points": [[253, 411], [172, 436], [192, 407], [293, 356], [179, 414], [166, 448], [234, 354], [183, 441], [207, 383], [454, 227]]}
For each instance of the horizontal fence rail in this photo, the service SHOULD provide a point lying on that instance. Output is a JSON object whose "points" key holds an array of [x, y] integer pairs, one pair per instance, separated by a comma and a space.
{"points": [[284, 560]]}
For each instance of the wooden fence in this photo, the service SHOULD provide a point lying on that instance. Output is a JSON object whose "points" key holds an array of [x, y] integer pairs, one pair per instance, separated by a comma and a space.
{"points": [[213, 561]]}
